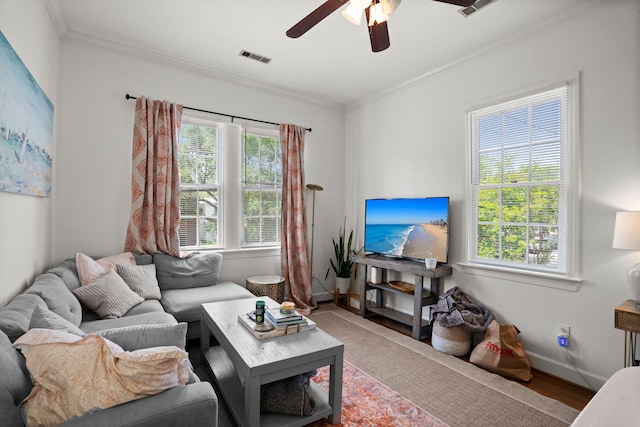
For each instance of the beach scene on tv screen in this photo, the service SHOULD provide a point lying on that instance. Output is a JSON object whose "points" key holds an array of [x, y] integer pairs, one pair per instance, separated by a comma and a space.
{"points": [[410, 228]]}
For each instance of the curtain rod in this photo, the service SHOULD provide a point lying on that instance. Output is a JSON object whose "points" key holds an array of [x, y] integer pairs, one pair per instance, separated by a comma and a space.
{"points": [[127, 96]]}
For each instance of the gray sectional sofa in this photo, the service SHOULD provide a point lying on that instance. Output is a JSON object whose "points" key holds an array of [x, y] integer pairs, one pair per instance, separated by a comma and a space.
{"points": [[185, 283]]}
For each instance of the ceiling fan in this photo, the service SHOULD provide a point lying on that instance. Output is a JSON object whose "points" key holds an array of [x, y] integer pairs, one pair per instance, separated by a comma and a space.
{"points": [[376, 13]]}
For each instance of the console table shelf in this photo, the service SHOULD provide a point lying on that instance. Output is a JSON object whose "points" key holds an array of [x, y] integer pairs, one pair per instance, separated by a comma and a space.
{"points": [[427, 296], [422, 295]]}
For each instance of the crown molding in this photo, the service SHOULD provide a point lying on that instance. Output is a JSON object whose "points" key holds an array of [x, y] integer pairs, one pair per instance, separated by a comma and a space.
{"points": [[586, 7], [71, 36], [57, 17]]}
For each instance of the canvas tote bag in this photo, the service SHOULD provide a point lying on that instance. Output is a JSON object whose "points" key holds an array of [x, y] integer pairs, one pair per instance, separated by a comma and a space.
{"points": [[502, 353]]}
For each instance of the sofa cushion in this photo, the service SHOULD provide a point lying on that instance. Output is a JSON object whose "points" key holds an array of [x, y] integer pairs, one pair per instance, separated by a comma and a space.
{"points": [[185, 304], [141, 279], [15, 316], [192, 271], [156, 317], [43, 318], [15, 376], [108, 295], [143, 259], [90, 269], [146, 306], [195, 405], [68, 272], [10, 413], [74, 375], [135, 337], [57, 296]]}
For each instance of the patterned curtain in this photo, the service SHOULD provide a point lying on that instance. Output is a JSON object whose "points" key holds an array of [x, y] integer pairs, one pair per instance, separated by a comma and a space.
{"points": [[294, 256], [155, 180]]}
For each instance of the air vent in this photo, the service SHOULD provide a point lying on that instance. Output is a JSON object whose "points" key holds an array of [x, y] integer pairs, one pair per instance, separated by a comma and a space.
{"points": [[466, 11], [255, 56]]}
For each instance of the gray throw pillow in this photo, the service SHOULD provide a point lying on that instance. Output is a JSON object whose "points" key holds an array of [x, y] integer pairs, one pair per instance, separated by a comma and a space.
{"points": [[193, 271], [46, 319], [109, 296], [141, 279], [135, 337]]}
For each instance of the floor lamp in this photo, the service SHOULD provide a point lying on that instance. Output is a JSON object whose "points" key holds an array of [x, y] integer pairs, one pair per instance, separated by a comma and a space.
{"points": [[314, 188]]}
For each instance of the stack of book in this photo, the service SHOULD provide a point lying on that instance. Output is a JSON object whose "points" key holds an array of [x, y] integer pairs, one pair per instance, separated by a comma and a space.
{"points": [[290, 322]]}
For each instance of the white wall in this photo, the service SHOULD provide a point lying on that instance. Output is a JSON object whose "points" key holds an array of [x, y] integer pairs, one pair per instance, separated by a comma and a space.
{"points": [[94, 149], [25, 225], [429, 159]]}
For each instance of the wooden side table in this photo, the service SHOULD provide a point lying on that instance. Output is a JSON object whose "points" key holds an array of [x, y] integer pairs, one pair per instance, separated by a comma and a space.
{"points": [[627, 318]]}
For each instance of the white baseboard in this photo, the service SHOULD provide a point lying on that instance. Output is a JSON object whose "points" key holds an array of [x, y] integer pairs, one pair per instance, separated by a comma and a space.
{"points": [[565, 371], [323, 296]]}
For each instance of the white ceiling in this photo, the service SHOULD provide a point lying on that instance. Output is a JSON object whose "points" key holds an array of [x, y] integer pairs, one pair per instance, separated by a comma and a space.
{"points": [[331, 63]]}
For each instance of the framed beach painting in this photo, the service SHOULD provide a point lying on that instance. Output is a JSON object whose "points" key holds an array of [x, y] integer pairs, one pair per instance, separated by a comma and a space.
{"points": [[26, 128]]}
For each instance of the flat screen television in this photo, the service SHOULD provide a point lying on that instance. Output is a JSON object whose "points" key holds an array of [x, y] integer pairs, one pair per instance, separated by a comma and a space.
{"points": [[411, 228]]}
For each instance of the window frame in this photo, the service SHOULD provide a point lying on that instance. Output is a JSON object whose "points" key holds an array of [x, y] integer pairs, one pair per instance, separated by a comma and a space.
{"points": [[569, 278], [230, 140]]}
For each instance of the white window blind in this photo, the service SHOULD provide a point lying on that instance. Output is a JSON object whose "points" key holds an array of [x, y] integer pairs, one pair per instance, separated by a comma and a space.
{"points": [[520, 183], [261, 187], [200, 165]]}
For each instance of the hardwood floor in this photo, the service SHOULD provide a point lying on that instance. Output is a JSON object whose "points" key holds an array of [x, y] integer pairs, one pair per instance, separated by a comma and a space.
{"points": [[573, 395]]}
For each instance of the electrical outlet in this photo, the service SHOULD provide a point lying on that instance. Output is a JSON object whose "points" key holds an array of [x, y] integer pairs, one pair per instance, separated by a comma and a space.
{"points": [[564, 330], [563, 334]]}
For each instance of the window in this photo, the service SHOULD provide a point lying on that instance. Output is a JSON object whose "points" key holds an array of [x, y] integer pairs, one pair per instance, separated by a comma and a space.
{"points": [[261, 187], [231, 185], [199, 158], [520, 206]]}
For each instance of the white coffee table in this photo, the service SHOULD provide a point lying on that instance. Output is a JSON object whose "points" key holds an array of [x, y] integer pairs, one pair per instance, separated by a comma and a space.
{"points": [[242, 363]]}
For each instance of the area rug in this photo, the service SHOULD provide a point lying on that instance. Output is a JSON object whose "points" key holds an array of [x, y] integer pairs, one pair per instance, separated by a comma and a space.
{"points": [[368, 402], [451, 390]]}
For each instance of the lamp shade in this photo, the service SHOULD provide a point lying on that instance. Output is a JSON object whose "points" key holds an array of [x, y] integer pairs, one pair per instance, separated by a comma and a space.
{"points": [[360, 4], [389, 6], [353, 14], [626, 233], [376, 15]]}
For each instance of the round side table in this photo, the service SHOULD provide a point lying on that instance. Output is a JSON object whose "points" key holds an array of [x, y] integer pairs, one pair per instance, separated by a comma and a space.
{"points": [[267, 285]]}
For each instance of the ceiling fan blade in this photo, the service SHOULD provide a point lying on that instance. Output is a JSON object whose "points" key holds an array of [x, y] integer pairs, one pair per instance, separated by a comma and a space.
{"points": [[309, 21], [461, 3]]}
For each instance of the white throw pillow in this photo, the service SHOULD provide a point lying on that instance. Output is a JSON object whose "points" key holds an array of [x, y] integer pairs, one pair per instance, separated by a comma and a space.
{"points": [[90, 269], [141, 279], [109, 296]]}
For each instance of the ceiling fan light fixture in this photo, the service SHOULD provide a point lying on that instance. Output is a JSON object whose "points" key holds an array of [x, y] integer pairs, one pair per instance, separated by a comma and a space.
{"points": [[388, 6], [353, 14], [360, 4], [377, 15]]}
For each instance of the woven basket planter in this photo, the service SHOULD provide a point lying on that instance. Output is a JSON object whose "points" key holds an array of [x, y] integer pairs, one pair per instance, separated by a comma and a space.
{"points": [[451, 340]]}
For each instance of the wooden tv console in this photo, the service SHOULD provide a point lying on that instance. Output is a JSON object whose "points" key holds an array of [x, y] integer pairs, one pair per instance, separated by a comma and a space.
{"points": [[422, 295]]}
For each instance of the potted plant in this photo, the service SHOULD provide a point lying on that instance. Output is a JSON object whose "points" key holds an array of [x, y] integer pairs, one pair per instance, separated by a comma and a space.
{"points": [[342, 265]]}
